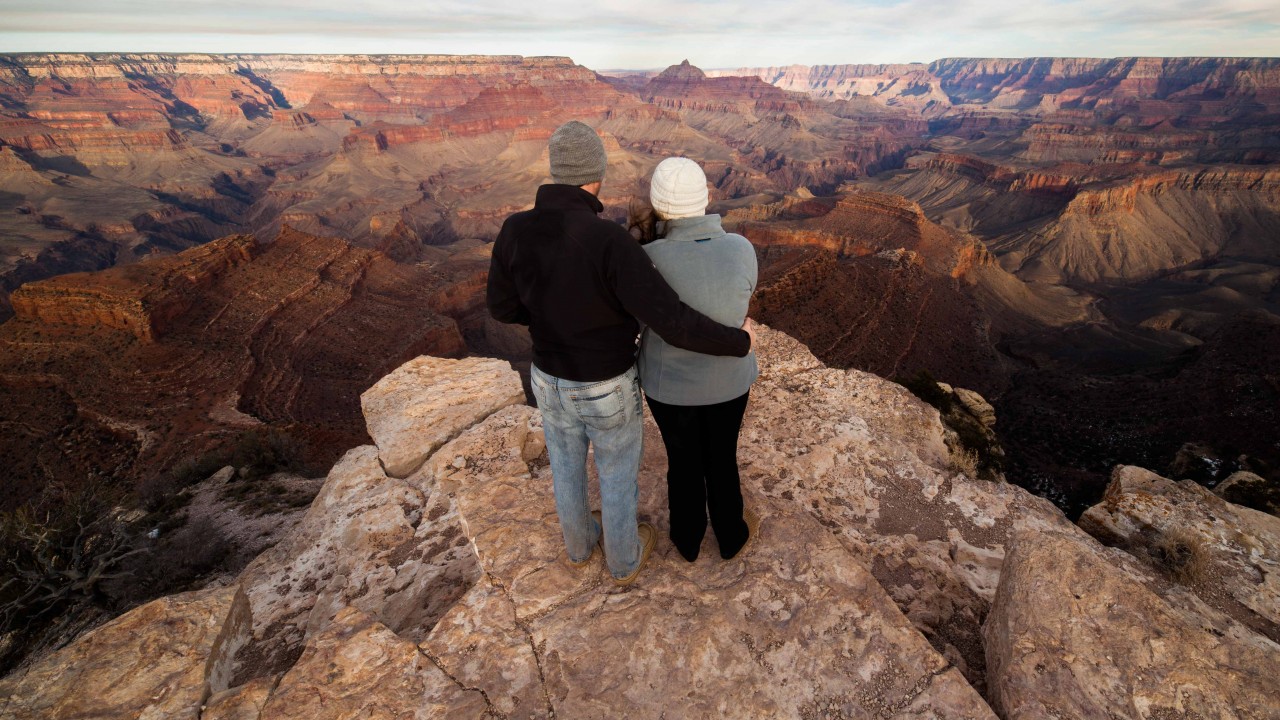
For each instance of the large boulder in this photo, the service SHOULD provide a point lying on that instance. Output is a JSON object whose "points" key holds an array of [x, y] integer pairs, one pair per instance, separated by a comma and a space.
{"points": [[869, 461], [378, 537], [1078, 630], [422, 404], [158, 661], [1227, 554], [389, 547], [1250, 490]]}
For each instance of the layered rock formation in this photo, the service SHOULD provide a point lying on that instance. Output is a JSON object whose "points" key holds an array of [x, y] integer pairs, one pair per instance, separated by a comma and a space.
{"points": [[150, 154], [868, 281], [141, 299], [1209, 89], [881, 584], [907, 85], [786, 136], [122, 374]]}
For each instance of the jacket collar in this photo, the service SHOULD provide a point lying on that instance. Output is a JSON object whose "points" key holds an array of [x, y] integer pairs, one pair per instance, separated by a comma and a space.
{"points": [[566, 197], [699, 227]]}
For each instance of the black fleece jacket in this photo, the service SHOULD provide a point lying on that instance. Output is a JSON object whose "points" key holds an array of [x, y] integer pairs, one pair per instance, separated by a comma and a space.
{"points": [[581, 282]]}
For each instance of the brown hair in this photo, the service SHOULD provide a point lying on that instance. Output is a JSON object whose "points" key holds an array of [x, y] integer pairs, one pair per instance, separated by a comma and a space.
{"points": [[642, 221]]}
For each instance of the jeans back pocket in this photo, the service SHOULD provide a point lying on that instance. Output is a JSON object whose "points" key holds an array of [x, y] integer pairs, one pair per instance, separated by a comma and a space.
{"points": [[600, 406]]}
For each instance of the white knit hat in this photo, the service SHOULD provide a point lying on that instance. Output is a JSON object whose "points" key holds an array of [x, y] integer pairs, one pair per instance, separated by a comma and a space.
{"points": [[678, 189]]}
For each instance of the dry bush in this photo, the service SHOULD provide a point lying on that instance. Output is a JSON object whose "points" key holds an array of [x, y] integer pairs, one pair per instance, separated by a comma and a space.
{"points": [[1181, 555], [964, 461], [55, 565], [176, 561]]}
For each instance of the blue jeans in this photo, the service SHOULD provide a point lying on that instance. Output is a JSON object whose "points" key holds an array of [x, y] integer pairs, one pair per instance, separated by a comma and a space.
{"points": [[608, 414]]}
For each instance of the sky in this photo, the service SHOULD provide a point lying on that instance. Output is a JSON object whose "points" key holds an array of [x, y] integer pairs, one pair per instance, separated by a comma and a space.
{"points": [[612, 34]]}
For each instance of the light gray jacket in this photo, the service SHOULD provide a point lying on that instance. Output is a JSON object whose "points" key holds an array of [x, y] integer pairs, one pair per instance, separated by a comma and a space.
{"points": [[714, 272]]}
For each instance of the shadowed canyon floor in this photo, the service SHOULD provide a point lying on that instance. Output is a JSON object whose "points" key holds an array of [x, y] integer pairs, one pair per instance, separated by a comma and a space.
{"points": [[446, 592]]}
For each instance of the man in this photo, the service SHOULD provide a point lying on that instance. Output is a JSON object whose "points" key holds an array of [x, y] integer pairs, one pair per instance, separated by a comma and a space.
{"points": [[581, 283]]}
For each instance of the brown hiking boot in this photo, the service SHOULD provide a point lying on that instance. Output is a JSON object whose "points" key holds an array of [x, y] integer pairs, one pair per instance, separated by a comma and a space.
{"points": [[599, 543], [648, 538], [752, 520]]}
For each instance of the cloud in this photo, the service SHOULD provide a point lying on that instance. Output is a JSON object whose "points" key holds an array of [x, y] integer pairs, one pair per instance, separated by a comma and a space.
{"points": [[618, 33]]}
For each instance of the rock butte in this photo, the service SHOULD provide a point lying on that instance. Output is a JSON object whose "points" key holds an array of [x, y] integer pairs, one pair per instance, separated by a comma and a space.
{"points": [[882, 585]]}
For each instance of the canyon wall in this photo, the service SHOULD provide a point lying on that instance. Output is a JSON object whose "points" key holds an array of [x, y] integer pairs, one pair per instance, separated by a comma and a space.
{"points": [[150, 154], [1214, 84], [162, 360], [142, 299]]}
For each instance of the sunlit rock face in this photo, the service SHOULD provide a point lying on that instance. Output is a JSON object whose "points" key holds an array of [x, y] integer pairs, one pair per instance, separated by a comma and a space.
{"points": [[1084, 630]]}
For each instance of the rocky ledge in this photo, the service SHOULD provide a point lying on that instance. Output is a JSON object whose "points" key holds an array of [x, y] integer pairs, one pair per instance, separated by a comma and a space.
{"points": [[428, 579]]}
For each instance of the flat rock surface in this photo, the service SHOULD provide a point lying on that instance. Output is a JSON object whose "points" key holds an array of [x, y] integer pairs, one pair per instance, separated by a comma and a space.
{"points": [[359, 668], [425, 402], [796, 628], [1078, 630], [160, 660]]}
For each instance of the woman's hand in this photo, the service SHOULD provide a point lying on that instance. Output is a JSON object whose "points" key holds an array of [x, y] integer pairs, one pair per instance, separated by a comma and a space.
{"points": [[750, 326]]}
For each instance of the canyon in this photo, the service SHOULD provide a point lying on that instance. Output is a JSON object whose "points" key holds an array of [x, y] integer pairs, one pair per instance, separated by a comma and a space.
{"points": [[195, 249], [109, 159], [1056, 216], [1047, 217]]}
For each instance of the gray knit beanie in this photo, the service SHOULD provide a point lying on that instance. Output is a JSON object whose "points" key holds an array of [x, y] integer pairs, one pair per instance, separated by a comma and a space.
{"points": [[577, 154]]}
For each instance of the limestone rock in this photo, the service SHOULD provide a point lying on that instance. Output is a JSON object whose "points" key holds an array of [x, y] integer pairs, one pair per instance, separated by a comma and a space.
{"points": [[1228, 554], [781, 356], [425, 402], [161, 660], [1250, 490], [1082, 631], [498, 655], [798, 627], [869, 461], [244, 702], [977, 406], [359, 668], [389, 547]]}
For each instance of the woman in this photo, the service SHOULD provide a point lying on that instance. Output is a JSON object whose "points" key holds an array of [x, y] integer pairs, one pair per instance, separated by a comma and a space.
{"points": [[698, 400]]}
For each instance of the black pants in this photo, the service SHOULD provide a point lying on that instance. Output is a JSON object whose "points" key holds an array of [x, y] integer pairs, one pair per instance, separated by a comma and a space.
{"points": [[702, 473]]}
